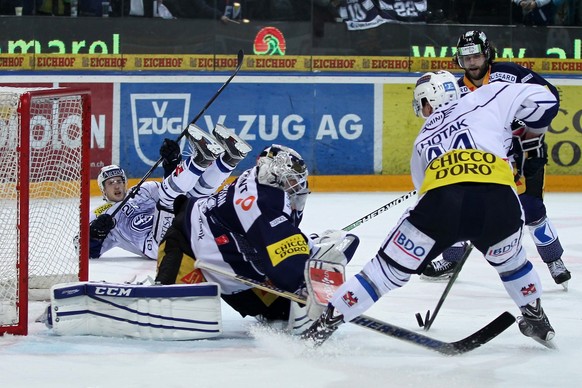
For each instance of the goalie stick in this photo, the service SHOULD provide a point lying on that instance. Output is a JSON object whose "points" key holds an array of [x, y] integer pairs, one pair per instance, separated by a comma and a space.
{"points": [[135, 189], [473, 341], [429, 319], [380, 210]]}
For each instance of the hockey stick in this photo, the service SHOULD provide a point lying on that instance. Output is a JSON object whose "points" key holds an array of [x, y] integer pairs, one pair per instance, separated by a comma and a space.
{"points": [[473, 341], [135, 189], [429, 319], [380, 210]]}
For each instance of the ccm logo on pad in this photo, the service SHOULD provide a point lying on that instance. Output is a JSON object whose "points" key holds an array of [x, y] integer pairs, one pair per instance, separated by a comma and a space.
{"points": [[113, 291]]}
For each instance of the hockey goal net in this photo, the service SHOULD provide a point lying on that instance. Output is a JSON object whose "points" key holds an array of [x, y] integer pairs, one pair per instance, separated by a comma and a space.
{"points": [[44, 196]]}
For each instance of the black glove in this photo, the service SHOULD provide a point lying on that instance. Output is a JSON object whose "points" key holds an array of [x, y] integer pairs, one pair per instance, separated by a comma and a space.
{"points": [[516, 151], [101, 226], [536, 147], [171, 155]]}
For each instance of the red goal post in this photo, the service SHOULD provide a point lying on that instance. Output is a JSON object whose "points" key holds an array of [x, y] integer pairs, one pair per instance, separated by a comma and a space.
{"points": [[45, 136]]}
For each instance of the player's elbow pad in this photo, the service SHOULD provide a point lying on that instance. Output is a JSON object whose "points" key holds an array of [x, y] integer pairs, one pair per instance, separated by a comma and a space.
{"points": [[538, 114]]}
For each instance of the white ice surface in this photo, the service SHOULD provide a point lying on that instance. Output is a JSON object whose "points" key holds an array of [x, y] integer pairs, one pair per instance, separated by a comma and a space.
{"points": [[248, 355]]}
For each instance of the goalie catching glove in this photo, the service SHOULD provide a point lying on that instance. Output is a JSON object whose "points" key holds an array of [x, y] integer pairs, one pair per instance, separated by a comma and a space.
{"points": [[336, 246], [101, 226]]}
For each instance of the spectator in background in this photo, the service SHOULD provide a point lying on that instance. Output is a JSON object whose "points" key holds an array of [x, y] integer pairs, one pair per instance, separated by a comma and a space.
{"points": [[568, 12], [537, 12], [50, 7], [196, 9], [7, 6]]}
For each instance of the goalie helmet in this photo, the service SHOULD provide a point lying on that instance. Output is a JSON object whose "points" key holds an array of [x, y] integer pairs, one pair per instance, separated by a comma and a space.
{"points": [[438, 89], [107, 172], [474, 42], [282, 167]]}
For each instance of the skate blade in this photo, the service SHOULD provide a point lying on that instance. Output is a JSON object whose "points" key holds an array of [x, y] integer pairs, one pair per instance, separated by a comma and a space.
{"points": [[195, 134], [442, 278], [565, 285], [548, 344], [220, 131]]}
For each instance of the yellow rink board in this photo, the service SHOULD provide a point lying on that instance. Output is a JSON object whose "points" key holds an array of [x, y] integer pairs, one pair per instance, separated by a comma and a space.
{"points": [[368, 183]]}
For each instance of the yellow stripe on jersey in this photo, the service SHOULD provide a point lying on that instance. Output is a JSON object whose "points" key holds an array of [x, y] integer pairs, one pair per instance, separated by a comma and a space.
{"points": [[266, 297], [458, 166], [102, 209], [291, 246]]}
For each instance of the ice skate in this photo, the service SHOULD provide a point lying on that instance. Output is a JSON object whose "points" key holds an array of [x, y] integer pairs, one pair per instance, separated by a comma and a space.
{"points": [[206, 147], [559, 273], [535, 324], [235, 148], [324, 327], [439, 270]]}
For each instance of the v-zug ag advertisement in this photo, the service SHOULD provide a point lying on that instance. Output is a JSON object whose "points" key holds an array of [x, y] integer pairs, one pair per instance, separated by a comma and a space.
{"points": [[330, 125]]}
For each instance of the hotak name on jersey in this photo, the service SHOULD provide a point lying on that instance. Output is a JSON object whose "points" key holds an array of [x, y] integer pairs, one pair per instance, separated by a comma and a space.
{"points": [[442, 134]]}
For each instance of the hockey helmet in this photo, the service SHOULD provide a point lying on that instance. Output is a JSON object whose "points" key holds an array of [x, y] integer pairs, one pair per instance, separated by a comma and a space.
{"points": [[282, 167], [107, 172], [474, 42], [438, 88]]}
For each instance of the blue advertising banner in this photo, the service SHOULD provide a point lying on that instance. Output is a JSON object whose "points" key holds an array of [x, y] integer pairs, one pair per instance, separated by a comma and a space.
{"points": [[330, 125]]}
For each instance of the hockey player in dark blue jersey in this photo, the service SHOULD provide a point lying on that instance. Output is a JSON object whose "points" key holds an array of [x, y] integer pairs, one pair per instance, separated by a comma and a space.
{"points": [[476, 55], [250, 228]]}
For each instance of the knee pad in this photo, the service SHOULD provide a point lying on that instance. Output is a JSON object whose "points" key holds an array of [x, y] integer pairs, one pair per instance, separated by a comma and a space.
{"points": [[508, 254], [406, 247]]}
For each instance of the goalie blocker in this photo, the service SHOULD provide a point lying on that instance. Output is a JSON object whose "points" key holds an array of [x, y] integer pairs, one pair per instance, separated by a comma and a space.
{"points": [[173, 312]]}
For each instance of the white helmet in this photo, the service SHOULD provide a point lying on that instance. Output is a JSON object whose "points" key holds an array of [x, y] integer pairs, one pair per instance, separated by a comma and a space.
{"points": [[282, 167], [107, 172], [438, 88]]}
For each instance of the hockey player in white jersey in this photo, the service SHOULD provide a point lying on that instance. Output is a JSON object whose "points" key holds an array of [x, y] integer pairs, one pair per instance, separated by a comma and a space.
{"points": [[476, 55], [142, 221], [250, 228], [466, 191]]}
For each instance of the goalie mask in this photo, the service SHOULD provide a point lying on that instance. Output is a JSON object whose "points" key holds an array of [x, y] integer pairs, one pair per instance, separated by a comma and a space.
{"points": [[108, 172], [284, 168], [438, 89]]}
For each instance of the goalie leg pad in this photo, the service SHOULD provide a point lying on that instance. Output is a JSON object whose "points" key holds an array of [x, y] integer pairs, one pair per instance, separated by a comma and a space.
{"points": [[322, 279], [299, 320], [174, 312]]}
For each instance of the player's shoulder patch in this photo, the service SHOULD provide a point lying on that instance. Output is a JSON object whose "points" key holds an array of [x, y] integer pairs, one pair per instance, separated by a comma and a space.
{"points": [[505, 71], [102, 209]]}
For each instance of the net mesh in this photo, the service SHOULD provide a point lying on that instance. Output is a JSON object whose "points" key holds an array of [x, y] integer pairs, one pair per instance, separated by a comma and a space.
{"points": [[53, 198]]}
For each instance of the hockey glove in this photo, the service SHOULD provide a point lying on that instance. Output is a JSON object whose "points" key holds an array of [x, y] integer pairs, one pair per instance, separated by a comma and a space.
{"points": [[171, 155], [101, 226], [535, 147], [516, 152], [518, 128]]}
